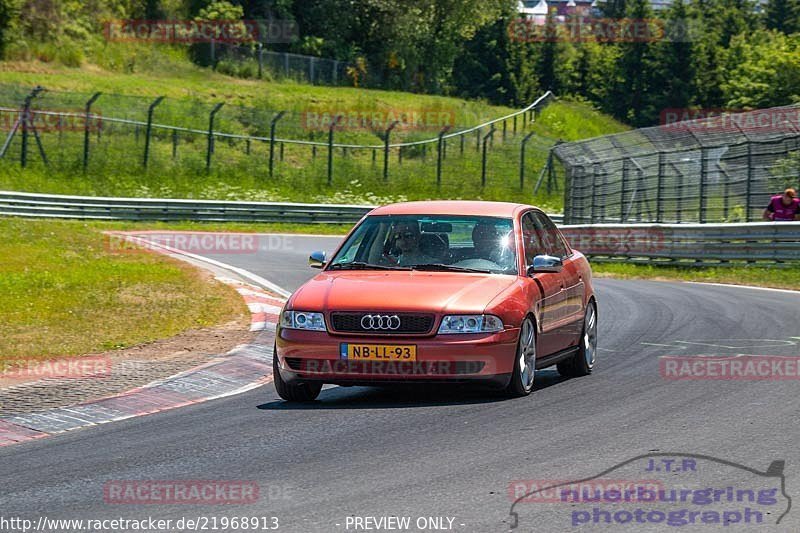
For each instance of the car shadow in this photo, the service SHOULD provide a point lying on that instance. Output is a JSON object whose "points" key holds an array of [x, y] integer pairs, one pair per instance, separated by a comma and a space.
{"points": [[413, 395]]}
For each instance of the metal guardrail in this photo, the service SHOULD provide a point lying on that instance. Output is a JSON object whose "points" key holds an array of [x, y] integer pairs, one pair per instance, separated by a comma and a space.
{"points": [[160, 209], [768, 243], [104, 208]]}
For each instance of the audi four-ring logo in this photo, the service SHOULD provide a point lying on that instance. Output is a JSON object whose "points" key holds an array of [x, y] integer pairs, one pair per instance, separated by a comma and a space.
{"points": [[380, 322]]}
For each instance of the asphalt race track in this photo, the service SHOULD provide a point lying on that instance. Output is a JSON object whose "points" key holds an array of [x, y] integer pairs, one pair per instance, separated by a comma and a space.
{"points": [[448, 452]]}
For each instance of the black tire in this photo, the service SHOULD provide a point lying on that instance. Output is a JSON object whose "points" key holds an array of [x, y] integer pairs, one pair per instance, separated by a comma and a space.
{"points": [[582, 363], [293, 392], [521, 383]]}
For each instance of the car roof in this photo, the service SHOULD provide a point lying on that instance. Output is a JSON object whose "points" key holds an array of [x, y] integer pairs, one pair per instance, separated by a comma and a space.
{"points": [[451, 207]]}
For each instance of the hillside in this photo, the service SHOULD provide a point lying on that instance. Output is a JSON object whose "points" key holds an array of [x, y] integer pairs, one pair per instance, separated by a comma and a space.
{"points": [[238, 169]]}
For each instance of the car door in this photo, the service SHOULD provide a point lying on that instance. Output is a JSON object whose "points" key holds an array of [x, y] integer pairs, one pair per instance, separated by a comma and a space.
{"points": [[570, 314], [549, 301]]}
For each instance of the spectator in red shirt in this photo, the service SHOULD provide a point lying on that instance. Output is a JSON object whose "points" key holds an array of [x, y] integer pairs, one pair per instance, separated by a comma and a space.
{"points": [[783, 207]]}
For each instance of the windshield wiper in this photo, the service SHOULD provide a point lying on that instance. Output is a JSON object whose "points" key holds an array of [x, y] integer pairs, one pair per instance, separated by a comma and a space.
{"points": [[449, 268], [361, 265]]}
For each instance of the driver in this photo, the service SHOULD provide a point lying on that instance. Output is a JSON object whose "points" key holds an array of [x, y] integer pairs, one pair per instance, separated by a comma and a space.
{"points": [[406, 236]]}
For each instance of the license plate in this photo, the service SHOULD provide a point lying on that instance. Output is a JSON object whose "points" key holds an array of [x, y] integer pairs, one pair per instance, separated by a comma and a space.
{"points": [[378, 352]]}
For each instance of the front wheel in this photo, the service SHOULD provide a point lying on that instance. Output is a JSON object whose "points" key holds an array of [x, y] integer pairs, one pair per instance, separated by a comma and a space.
{"points": [[582, 363], [522, 377], [293, 392]]}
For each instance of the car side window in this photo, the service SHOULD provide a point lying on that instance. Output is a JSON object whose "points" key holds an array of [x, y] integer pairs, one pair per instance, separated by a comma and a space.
{"points": [[531, 238], [553, 243]]}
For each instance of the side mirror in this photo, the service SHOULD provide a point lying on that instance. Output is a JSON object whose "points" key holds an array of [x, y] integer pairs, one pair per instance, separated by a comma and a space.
{"points": [[545, 263], [317, 260]]}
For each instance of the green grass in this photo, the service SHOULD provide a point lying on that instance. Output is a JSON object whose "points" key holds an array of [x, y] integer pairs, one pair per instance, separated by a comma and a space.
{"points": [[66, 293], [781, 278], [240, 172]]}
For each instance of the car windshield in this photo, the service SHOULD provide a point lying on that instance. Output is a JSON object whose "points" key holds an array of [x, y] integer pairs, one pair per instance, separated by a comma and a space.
{"points": [[425, 242]]}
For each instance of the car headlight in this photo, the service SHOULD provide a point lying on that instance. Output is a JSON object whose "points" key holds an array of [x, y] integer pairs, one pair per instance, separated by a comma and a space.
{"points": [[470, 324], [303, 320]]}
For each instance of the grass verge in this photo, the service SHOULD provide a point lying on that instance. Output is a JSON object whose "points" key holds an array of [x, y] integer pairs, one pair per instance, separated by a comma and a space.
{"points": [[779, 278], [64, 293], [239, 170]]}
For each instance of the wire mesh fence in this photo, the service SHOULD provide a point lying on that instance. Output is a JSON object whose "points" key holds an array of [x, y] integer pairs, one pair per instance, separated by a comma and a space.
{"points": [[253, 61], [109, 137], [718, 169]]}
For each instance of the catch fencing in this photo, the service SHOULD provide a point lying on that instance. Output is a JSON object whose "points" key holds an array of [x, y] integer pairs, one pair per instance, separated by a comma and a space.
{"points": [[717, 169], [130, 137]]}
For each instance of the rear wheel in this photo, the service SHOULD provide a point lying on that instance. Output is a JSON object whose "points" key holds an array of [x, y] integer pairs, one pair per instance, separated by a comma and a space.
{"points": [[582, 362], [522, 377], [293, 392]]}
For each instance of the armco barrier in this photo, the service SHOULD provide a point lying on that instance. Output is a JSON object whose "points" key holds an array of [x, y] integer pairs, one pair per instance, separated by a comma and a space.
{"points": [[103, 208], [771, 243]]}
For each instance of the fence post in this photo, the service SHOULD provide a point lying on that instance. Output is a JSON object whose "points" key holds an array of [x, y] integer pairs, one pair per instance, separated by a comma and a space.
{"points": [[386, 135], [478, 140], [272, 126], [660, 189], [505, 129], [213, 54], [622, 190], [330, 147], [483, 159], [27, 122], [260, 61], [522, 160], [286, 63], [594, 193], [703, 172], [440, 155], [174, 143], [311, 70], [567, 195], [515, 124], [210, 149], [87, 118], [149, 128], [461, 138], [749, 187]]}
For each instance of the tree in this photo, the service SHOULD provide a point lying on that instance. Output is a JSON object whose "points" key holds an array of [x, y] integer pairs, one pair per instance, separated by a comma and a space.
{"points": [[673, 65], [763, 70], [783, 15], [633, 94]]}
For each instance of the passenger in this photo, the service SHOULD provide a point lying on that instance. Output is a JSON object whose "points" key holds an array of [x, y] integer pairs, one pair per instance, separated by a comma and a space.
{"points": [[492, 243]]}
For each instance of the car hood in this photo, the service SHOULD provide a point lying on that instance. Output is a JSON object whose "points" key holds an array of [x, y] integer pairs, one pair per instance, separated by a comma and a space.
{"points": [[409, 291]]}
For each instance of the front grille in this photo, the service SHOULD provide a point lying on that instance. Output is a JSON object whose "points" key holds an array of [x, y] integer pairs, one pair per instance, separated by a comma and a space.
{"points": [[396, 368], [409, 323]]}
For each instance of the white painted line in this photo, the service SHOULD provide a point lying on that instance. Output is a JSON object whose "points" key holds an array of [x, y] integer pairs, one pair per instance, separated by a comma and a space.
{"points": [[240, 271], [787, 291]]}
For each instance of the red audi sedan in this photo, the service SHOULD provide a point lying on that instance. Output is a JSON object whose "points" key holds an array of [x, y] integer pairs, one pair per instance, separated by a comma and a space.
{"points": [[440, 291]]}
